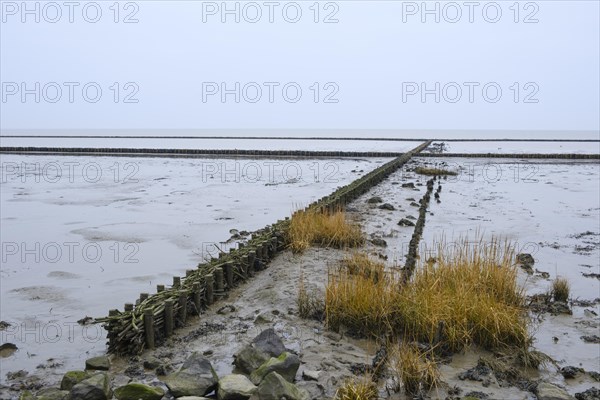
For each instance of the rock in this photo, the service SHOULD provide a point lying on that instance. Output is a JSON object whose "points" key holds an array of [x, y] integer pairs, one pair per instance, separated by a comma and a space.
{"points": [[27, 395], [591, 339], [263, 318], [52, 394], [570, 372], [72, 378], [275, 387], [387, 206], [475, 396], [195, 378], [309, 375], [525, 258], [408, 185], [548, 391], [152, 362], [192, 398], [286, 365], [479, 373], [138, 391], [590, 394], [406, 222], [266, 345], [379, 242], [235, 387], [96, 387], [375, 199], [414, 204], [100, 363]]}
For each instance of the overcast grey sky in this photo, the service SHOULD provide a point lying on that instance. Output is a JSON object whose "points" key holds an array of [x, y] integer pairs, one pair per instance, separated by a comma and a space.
{"points": [[366, 67]]}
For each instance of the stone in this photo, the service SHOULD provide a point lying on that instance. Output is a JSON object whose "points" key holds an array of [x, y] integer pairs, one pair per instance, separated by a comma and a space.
{"points": [[591, 339], [408, 185], [52, 394], [309, 375], [286, 365], [100, 363], [525, 258], [196, 377], [570, 372], [192, 398], [138, 391], [264, 346], [27, 395], [387, 206], [592, 393], [72, 378], [152, 362], [379, 242], [406, 222], [375, 199], [548, 391], [235, 387], [275, 387], [96, 387]]}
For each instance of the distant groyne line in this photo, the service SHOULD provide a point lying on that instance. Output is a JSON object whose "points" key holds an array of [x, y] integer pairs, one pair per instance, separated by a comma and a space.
{"points": [[376, 139], [148, 152]]}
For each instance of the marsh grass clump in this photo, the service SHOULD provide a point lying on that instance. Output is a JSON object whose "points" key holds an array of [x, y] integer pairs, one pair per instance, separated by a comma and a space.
{"points": [[363, 389], [434, 171], [361, 264], [414, 369], [561, 289], [471, 292], [323, 229], [310, 304]]}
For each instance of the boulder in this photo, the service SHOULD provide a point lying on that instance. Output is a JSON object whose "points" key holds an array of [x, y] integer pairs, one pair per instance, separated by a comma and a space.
{"points": [[286, 365], [275, 387], [100, 363], [375, 199], [590, 394], [138, 391], [525, 258], [406, 222], [548, 391], [72, 378], [264, 346], [96, 387], [195, 378], [235, 387], [52, 394], [27, 395], [387, 206]]}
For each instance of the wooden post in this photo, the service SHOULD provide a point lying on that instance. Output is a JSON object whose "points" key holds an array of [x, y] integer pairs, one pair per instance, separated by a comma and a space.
{"points": [[197, 297], [209, 289], [219, 279], [245, 265], [143, 296], [182, 302], [168, 317], [229, 274], [188, 272], [128, 307], [251, 261], [160, 288], [149, 328], [176, 281]]}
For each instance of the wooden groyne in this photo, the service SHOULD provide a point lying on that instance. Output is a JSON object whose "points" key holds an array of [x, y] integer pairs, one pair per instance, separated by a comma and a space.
{"points": [[153, 318], [149, 152]]}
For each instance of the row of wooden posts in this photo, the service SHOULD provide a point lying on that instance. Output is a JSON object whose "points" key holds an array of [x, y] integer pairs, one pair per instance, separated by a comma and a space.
{"points": [[153, 318]]}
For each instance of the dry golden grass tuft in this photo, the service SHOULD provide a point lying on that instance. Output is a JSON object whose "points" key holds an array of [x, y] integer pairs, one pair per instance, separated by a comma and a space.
{"points": [[434, 171], [323, 229], [561, 289], [363, 389], [310, 304], [413, 369], [472, 292], [361, 264]]}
